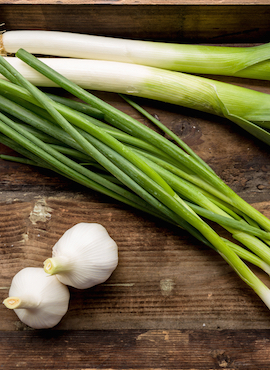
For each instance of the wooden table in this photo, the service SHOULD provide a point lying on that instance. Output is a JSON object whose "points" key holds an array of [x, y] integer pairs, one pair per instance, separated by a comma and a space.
{"points": [[171, 303]]}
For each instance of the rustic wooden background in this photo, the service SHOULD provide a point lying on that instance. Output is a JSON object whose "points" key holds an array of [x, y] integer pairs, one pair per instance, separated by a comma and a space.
{"points": [[171, 303], [211, 21]]}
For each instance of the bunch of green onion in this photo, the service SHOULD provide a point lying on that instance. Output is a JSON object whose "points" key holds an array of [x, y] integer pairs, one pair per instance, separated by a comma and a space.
{"points": [[110, 152]]}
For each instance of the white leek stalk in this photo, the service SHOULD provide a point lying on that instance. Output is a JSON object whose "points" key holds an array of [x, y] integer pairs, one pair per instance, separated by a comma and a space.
{"points": [[38, 300], [154, 83], [252, 62], [84, 256]]}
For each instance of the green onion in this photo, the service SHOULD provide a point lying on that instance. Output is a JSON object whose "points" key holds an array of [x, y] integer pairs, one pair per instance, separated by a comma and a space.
{"points": [[137, 129], [17, 159], [80, 107], [127, 165], [180, 142], [18, 110], [251, 62], [247, 256], [40, 152]]}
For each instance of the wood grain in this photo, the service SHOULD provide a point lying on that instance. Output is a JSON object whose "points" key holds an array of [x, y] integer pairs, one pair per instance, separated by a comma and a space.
{"points": [[141, 2], [183, 23], [164, 279], [171, 303], [136, 349]]}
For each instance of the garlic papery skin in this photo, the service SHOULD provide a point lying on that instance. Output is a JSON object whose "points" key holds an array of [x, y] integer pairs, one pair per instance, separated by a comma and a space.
{"points": [[84, 256], [40, 301]]}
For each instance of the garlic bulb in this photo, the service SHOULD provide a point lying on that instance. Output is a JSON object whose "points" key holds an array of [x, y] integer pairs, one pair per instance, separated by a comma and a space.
{"points": [[84, 256], [40, 301]]}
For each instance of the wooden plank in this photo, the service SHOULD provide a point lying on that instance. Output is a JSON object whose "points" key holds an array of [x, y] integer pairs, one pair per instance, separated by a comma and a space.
{"points": [[165, 278], [136, 349], [182, 23], [141, 2], [171, 303]]}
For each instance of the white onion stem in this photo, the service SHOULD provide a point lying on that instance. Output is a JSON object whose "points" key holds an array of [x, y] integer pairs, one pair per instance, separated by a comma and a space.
{"points": [[154, 83], [252, 62]]}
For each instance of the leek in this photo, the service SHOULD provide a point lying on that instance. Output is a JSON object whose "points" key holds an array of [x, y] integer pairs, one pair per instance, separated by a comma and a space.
{"points": [[247, 108], [250, 62]]}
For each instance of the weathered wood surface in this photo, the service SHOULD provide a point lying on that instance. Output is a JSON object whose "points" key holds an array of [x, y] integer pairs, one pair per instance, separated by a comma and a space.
{"points": [[140, 2], [171, 303], [136, 349], [186, 22]]}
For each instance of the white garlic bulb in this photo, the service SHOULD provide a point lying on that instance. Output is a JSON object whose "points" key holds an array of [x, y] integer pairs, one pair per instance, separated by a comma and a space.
{"points": [[40, 301], [84, 256]]}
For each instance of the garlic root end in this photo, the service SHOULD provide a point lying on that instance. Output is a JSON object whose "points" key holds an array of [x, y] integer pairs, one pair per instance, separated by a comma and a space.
{"points": [[12, 302], [55, 265]]}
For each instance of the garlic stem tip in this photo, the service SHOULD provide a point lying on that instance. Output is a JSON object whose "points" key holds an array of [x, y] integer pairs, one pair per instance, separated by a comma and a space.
{"points": [[48, 266], [12, 302]]}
